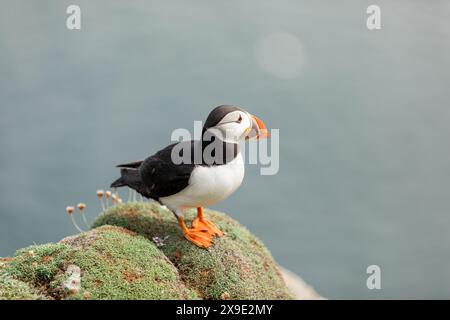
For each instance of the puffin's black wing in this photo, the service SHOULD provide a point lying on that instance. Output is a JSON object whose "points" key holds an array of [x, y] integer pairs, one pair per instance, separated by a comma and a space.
{"points": [[161, 177]]}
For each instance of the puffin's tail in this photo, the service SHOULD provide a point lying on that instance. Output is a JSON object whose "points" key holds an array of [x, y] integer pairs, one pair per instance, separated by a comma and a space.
{"points": [[130, 178], [118, 183]]}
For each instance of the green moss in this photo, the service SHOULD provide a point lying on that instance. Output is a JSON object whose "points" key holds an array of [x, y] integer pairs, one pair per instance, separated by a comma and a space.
{"points": [[115, 264], [38, 264], [237, 266], [118, 265], [13, 289]]}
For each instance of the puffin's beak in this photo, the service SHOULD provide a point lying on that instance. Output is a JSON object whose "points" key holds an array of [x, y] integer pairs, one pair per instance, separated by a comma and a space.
{"points": [[258, 129]]}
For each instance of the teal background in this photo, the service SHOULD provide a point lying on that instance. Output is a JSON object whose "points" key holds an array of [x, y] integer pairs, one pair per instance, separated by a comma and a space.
{"points": [[364, 128]]}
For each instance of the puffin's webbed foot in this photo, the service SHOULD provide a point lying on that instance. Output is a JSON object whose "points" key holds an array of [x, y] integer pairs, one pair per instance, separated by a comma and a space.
{"points": [[204, 224], [199, 237]]}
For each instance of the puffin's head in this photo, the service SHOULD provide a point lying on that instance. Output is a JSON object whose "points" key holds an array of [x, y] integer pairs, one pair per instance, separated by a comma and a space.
{"points": [[233, 124]]}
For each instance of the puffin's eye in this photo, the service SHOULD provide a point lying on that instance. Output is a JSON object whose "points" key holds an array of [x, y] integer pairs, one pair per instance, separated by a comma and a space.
{"points": [[239, 120]]}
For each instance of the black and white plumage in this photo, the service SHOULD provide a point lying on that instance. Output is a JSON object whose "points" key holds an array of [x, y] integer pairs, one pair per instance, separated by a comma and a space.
{"points": [[200, 181]]}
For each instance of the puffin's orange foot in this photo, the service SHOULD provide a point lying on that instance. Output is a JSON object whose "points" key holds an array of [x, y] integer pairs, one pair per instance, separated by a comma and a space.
{"points": [[198, 237], [202, 223], [208, 226]]}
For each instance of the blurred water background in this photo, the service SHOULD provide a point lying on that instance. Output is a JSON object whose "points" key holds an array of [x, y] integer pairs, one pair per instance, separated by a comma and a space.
{"points": [[363, 116]]}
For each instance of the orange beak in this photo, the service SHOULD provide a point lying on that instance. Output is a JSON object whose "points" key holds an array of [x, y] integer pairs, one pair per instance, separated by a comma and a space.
{"points": [[258, 129]]}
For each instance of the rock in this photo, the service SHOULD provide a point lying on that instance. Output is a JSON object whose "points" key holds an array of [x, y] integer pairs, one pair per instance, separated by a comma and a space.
{"points": [[137, 251], [73, 283]]}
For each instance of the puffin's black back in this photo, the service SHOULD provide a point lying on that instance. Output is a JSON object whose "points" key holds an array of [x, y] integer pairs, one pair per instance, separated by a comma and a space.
{"points": [[162, 177]]}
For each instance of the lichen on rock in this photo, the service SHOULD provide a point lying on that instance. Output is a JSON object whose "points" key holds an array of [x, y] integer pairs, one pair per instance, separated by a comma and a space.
{"points": [[72, 285]]}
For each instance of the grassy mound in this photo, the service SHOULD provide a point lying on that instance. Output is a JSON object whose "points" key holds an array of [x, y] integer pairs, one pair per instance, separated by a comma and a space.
{"points": [[237, 266], [137, 251], [115, 264]]}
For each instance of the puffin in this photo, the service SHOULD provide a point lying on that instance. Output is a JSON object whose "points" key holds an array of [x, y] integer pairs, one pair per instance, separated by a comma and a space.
{"points": [[196, 173]]}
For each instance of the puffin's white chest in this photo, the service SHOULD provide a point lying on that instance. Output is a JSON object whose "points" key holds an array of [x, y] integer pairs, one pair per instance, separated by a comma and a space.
{"points": [[208, 185]]}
